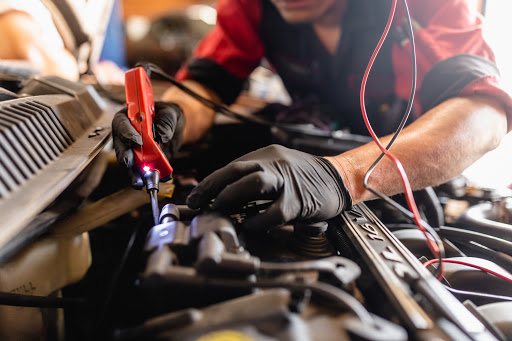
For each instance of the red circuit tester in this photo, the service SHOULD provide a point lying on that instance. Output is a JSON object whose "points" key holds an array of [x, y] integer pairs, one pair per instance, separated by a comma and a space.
{"points": [[149, 158]]}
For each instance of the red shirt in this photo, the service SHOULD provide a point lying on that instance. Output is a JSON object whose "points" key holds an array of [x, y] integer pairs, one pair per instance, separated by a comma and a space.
{"points": [[453, 59]]}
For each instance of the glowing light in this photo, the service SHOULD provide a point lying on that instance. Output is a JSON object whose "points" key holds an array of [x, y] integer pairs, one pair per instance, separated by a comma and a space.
{"points": [[202, 12], [146, 168]]}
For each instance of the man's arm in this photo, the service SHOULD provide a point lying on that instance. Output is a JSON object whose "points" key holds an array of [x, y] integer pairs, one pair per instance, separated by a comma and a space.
{"points": [[433, 149], [198, 118], [22, 39]]}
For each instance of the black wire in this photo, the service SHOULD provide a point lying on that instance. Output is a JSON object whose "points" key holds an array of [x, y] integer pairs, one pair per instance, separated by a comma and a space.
{"points": [[495, 243], [401, 126], [501, 258], [149, 67]]}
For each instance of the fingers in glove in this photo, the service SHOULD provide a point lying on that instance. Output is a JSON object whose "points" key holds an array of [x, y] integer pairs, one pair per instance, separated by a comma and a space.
{"points": [[164, 126], [166, 120], [169, 125], [211, 186], [276, 214], [124, 153], [122, 128], [255, 186]]}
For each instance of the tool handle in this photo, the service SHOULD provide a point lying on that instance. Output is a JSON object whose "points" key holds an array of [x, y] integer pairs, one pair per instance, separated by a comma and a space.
{"points": [[141, 112]]}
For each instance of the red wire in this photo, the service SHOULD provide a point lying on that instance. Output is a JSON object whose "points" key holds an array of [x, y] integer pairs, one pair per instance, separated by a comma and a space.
{"points": [[432, 261], [405, 181]]}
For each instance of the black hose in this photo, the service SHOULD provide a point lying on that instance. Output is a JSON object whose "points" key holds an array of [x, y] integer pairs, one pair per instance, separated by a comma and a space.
{"points": [[479, 218], [490, 241]]}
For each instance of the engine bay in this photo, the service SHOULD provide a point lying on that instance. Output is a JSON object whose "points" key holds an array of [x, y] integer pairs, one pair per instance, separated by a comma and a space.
{"points": [[104, 270]]}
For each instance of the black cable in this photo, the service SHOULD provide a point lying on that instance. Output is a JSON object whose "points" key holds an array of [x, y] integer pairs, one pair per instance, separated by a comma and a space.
{"points": [[495, 243], [405, 117], [478, 250], [152, 68], [18, 300]]}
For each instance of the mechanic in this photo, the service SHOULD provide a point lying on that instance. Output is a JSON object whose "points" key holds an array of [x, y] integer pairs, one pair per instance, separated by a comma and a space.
{"points": [[29, 35], [321, 48], [59, 38]]}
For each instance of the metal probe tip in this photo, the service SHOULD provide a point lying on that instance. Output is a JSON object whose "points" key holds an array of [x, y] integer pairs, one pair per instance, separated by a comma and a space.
{"points": [[152, 180], [154, 205]]}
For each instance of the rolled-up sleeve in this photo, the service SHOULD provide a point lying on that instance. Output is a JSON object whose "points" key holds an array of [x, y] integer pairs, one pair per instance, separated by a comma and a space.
{"points": [[453, 58], [229, 53]]}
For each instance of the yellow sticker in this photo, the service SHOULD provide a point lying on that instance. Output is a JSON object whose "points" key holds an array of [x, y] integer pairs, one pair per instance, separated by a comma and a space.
{"points": [[225, 335], [166, 189]]}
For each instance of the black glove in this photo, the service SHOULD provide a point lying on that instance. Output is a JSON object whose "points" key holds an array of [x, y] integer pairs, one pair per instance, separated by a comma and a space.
{"points": [[304, 187], [168, 122]]}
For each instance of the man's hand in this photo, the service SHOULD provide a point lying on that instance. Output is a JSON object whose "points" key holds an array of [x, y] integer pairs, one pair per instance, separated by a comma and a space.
{"points": [[304, 187], [169, 122]]}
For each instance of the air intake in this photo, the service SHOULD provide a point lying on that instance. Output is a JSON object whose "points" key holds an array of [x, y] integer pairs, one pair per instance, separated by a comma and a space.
{"points": [[31, 136]]}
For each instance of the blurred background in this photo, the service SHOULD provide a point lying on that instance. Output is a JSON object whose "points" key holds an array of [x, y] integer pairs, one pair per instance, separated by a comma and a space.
{"points": [[165, 32], [495, 169]]}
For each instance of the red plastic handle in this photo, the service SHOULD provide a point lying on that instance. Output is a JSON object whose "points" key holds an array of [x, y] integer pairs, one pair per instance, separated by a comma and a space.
{"points": [[141, 111]]}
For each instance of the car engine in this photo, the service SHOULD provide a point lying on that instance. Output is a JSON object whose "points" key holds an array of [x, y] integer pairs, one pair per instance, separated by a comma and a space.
{"points": [[81, 258]]}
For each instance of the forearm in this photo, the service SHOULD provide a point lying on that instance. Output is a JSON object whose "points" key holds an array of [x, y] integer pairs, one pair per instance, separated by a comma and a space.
{"points": [[199, 118], [433, 149], [23, 40]]}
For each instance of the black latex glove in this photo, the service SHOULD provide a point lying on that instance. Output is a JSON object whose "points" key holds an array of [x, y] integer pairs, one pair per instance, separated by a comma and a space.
{"points": [[168, 122], [304, 187]]}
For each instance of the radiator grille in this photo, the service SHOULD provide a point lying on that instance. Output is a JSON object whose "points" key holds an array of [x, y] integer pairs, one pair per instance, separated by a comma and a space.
{"points": [[31, 136]]}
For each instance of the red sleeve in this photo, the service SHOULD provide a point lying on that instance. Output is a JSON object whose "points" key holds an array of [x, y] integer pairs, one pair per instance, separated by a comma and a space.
{"points": [[444, 29], [231, 50]]}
